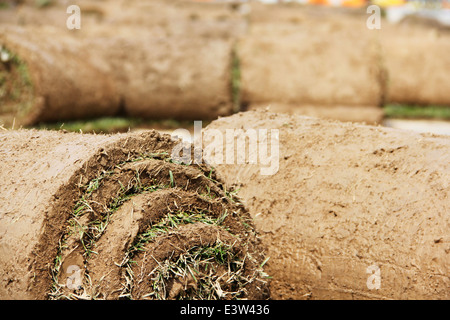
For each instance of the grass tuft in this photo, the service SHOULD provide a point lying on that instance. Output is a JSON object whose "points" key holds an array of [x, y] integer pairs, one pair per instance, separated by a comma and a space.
{"points": [[417, 112]]}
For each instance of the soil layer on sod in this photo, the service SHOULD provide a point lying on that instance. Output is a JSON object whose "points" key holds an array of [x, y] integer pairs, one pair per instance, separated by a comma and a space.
{"points": [[366, 114], [353, 212], [113, 217]]}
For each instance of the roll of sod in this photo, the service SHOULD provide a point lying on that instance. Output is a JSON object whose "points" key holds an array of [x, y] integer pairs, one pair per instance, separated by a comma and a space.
{"points": [[47, 75], [412, 83], [315, 62], [180, 77], [348, 211], [113, 217]]}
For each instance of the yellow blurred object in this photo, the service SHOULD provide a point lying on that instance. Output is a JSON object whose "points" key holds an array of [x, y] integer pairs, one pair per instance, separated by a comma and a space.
{"points": [[354, 3], [388, 3], [344, 3], [321, 2]]}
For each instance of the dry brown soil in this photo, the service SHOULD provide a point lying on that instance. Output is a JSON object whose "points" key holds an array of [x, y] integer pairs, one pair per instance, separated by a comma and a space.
{"points": [[346, 198]]}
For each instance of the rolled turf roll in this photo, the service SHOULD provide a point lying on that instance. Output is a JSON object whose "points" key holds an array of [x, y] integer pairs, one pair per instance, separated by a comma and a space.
{"points": [[410, 82], [177, 77], [109, 217], [314, 62], [50, 75], [353, 211], [47, 75]]}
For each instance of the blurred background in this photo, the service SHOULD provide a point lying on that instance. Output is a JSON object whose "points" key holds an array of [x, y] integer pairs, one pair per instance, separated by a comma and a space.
{"points": [[126, 65]]}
